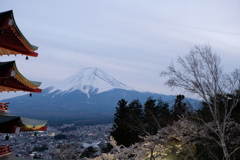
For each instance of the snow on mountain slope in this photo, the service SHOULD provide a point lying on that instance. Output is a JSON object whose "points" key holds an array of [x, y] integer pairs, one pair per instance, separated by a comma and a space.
{"points": [[89, 80]]}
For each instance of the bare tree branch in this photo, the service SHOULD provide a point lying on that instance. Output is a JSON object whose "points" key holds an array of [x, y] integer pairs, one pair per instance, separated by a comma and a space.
{"points": [[200, 72]]}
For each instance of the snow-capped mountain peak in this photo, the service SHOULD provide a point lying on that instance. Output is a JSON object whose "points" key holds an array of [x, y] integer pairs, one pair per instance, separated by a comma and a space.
{"points": [[89, 80]]}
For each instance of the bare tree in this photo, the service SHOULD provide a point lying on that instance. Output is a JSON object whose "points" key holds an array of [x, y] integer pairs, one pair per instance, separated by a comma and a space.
{"points": [[200, 72]]}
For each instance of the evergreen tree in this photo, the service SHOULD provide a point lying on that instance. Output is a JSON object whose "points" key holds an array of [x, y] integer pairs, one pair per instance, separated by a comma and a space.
{"points": [[121, 111], [164, 111], [88, 152], [179, 108], [127, 123], [134, 121], [120, 130], [106, 148], [222, 103], [151, 116], [136, 109], [205, 113]]}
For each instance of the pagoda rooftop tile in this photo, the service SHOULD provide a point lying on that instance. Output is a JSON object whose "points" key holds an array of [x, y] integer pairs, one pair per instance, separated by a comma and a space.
{"points": [[12, 80], [12, 41], [11, 123]]}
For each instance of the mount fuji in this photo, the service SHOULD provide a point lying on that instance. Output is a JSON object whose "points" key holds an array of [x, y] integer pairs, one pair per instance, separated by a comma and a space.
{"points": [[89, 80], [89, 96]]}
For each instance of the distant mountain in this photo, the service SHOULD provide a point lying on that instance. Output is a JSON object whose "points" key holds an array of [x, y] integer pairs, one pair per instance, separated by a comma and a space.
{"points": [[89, 96], [89, 80]]}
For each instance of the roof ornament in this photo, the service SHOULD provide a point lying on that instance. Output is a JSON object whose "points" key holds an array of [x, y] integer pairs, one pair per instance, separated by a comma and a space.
{"points": [[10, 22]]}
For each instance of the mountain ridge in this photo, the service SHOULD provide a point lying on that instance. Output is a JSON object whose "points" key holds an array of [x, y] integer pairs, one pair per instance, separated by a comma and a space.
{"points": [[76, 103], [89, 80]]}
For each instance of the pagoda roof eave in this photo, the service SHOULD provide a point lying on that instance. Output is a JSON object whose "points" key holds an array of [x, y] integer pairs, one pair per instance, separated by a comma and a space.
{"points": [[12, 89], [33, 124], [9, 27], [25, 124], [34, 83], [13, 80], [5, 51]]}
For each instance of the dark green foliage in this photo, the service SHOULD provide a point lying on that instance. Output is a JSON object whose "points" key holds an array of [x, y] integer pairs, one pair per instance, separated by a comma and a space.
{"points": [[135, 108], [121, 111], [180, 108], [205, 114], [126, 118], [164, 111], [132, 120], [88, 152], [231, 132], [37, 156], [151, 114], [156, 115], [106, 148], [119, 127]]}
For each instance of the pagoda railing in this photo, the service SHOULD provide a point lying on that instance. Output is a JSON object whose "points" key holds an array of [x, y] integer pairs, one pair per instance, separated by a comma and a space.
{"points": [[3, 107], [5, 150]]}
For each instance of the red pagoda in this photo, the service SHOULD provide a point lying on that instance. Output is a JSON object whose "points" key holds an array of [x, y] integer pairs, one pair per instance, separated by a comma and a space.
{"points": [[13, 42]]}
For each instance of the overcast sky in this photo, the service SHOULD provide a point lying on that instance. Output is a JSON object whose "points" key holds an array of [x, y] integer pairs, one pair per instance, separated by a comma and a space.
{"points": [[132, 40]]}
